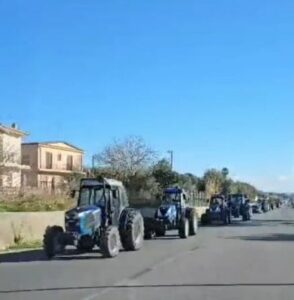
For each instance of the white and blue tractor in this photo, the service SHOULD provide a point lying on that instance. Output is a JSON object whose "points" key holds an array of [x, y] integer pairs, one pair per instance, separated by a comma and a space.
{"points": [[101, 218]]}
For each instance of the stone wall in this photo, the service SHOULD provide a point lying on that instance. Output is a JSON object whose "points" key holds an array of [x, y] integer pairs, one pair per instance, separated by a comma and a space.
{"points": [[27, 225], [31, 225]]}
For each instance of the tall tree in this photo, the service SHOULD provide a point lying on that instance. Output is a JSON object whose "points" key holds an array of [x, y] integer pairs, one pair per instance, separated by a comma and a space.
{"points": [[213, 182], [163, 174], [126, 157]]}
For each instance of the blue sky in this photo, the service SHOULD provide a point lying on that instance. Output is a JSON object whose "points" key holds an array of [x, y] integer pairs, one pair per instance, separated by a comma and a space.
{"points": [[212, 80]]}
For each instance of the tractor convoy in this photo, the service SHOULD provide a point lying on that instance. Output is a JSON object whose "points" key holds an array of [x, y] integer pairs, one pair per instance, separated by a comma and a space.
{"points": [[103, 218]]}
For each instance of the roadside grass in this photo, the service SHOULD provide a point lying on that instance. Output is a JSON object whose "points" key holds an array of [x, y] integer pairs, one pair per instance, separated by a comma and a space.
{"points": [[30, 202], [25, 245]]}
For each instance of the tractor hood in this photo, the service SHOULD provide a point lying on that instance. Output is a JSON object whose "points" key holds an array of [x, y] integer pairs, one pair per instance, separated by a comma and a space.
{"points": [[165, 210], [82, 209], [83, 220], [215, 208]]}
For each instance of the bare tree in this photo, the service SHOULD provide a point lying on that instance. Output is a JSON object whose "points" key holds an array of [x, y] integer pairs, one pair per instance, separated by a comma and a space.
{"points": [[126, 157]]}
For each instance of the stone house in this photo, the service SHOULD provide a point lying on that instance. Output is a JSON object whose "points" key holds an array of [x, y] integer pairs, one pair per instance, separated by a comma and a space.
{"points": [[10, 156], [51, 163]]}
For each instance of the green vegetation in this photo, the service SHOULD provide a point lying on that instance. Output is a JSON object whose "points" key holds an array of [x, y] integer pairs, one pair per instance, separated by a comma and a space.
{"points": [[145, 177], [29, 202], [26, 245]]}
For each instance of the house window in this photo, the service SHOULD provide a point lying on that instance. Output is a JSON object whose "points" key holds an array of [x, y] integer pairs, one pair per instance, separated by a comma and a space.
{"points": [[69, 162], [48, 160], [59, 157]]}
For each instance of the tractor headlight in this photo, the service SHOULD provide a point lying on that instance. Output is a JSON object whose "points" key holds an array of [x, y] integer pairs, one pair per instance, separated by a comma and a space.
{"points": [[72, 216]]}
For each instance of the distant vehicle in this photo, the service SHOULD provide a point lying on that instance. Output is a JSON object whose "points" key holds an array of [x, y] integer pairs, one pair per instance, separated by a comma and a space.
{"points": [[246, 211], [265, 207], [256, 208], [237, 204], [173, 213], [218, 211], [278, 203]]}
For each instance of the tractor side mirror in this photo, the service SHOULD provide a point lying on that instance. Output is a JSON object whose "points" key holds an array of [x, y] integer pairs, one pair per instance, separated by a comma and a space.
{"points": [[73, 193]]}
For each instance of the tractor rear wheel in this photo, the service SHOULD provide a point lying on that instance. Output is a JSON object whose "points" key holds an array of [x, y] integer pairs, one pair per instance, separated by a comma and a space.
{"points": [[193, 223], [184, 228], [52, 242], [132, 234], [109, 244]]}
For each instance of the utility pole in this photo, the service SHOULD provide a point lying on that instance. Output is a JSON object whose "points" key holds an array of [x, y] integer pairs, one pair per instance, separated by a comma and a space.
{"points": [[171, 152]]}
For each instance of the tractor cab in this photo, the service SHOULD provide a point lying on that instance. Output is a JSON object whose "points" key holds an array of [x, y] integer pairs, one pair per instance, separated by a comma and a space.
{"points": [[175, 196], [217, 202], [172, 206], [108, 194]]}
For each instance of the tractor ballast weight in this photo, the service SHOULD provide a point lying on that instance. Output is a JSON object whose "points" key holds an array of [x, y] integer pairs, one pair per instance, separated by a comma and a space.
{"points": [[102, 218], [172, 214]]}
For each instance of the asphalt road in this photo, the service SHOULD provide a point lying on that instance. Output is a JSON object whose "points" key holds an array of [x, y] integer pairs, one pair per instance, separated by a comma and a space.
{"points": [[253, 260]]}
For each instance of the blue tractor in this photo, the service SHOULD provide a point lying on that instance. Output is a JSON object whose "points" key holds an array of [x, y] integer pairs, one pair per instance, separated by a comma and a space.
{"points": [[239, 204], [218, 211], [172, 214], [102, 218]]}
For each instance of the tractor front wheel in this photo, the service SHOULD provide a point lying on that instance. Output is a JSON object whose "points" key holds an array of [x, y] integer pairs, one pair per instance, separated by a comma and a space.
{"points": [[109, 244], [184, 228], [193, 223], [52, 242]]}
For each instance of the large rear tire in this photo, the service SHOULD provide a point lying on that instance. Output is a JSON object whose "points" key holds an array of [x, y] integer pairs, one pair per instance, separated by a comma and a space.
{"points": [[184, 228], [109, 244], [52, 242], [132, 234], [193, 223]]}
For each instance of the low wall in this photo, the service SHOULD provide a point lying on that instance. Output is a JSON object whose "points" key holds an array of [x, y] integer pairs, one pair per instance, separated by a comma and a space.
{"points": [[32, 225], [27, 225]]}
